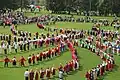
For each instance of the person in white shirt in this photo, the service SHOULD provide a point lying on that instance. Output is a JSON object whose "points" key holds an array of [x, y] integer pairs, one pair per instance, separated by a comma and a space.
{"points": [[9, 46], [5, 48], [60, 75], [26, 74], [15, 46], [14, 61]]}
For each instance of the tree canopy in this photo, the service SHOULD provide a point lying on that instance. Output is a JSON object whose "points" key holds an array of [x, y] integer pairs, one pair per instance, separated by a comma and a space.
{"points": [[13, 4], [103, 6]]}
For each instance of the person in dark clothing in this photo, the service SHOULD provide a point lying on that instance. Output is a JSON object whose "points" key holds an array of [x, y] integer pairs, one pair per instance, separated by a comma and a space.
{"points": [[31, 74]]}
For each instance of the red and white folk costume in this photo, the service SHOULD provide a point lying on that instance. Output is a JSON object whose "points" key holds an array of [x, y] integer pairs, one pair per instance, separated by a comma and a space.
{"points": [[48, 73], [29, 59], [49, 53], [14, 61], [53, 70], [41, 56], [42, 73], [44, 55], [36, 75], [53, 52], [101, 70], [33, 59], [37, 57], [87, 76], [47, 42], [22, 61]]}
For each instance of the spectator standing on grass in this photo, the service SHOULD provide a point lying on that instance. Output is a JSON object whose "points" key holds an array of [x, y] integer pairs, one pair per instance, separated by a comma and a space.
{"points": [[26, 74]]}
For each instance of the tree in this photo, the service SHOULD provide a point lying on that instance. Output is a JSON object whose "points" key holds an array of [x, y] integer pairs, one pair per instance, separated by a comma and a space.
{"points": [[116, 7], [13, 4], [103, 6]]}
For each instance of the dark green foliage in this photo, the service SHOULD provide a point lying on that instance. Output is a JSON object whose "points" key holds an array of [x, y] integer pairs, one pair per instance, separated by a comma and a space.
{"points": [[13, 4], [103, 6]]}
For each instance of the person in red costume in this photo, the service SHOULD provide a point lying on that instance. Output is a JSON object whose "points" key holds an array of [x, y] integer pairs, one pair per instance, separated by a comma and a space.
{"points": [[41, 56], [36, 75], [49, 53], [33, 59], [42, 73], [37, 58], [6, 60], [101, 70], [22, 61], [53, 70], [48, 73], [87, 76], [40, 26]]}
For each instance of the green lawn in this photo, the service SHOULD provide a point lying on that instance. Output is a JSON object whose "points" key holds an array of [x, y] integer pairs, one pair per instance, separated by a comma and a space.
{"points": [[87, 59]]}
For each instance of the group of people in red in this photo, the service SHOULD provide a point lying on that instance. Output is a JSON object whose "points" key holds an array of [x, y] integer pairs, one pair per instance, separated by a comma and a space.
{"points": [[51, 72], [32, 59]]}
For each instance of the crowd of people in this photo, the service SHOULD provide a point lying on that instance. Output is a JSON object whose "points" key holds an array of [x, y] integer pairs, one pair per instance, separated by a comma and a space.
{"points": [[94, 41], [107, 64], [23, 41], [104, 43], [10, 17], [51, 72], [33, 59]]}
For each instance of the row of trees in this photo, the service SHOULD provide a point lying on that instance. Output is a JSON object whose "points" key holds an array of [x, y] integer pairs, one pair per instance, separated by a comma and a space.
{"points": [[103, 6], [13, 4]]}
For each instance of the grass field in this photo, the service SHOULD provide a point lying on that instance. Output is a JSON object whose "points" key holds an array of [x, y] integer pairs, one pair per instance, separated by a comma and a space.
{"points": [[87, 59]]}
